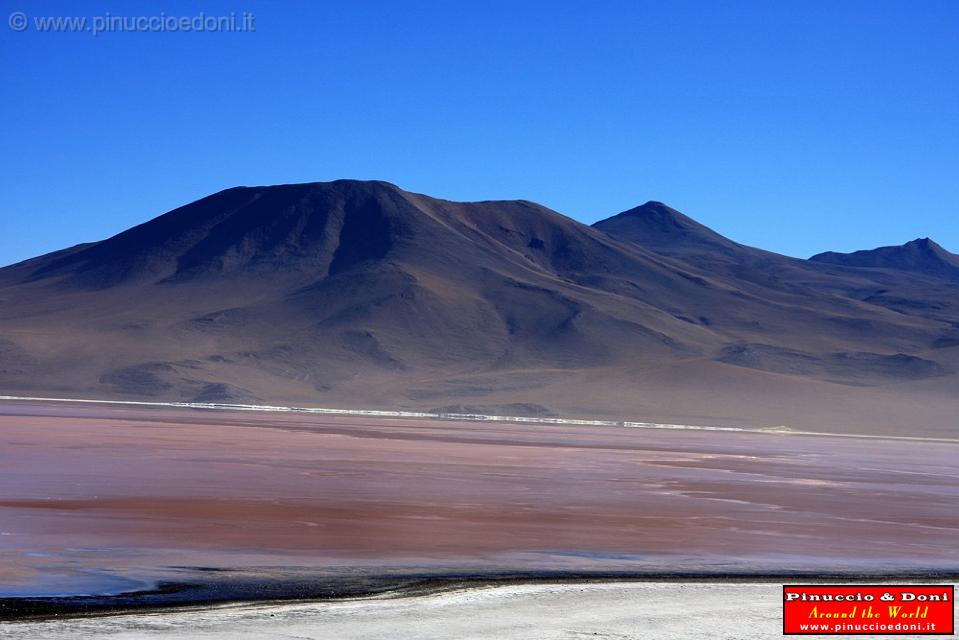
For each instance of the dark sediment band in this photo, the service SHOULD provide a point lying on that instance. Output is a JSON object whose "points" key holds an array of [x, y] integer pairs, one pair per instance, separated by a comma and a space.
{"points": [[223, 588]]}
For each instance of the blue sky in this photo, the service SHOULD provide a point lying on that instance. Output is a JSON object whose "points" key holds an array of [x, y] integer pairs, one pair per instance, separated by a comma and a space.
{"points": [[796, 126]]}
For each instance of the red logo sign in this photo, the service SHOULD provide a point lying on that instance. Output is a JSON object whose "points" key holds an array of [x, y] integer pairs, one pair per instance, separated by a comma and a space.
{"points": [[868, 609]]}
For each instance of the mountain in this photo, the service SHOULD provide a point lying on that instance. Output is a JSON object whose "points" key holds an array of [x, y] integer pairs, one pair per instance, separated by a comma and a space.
{"points": [[664, 230], [918, 281], [361, 294], [661, 229], [920, 256]]}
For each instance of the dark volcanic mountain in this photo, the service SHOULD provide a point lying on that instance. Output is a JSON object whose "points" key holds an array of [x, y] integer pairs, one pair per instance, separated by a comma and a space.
{"points": [[915, 279], [664, 230], [921, 256], [359, 294]]}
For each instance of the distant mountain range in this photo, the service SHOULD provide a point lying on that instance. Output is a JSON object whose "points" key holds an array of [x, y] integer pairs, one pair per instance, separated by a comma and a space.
{"points": [[920, 256], [360, 294]]}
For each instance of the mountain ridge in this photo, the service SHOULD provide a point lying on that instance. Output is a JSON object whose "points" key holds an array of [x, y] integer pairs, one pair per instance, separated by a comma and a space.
{"points": [[358, 293], [921, 255]]}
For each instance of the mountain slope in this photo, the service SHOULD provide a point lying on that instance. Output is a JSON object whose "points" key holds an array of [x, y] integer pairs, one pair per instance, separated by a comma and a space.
{"points": [[361, 294]]}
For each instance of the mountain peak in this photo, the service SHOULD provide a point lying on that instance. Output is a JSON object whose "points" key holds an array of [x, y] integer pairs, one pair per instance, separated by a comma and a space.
{"points": [[658, 227], [653, 208], [925, 244], [311, 227], [922, 255], [650, 205]]}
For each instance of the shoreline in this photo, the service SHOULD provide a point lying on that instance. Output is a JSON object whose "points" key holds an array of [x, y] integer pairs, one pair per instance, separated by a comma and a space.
{"points": [[192, 596], [468, 417]]}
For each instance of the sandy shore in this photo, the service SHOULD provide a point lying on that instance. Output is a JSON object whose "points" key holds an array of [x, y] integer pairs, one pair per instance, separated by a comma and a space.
{"points": [[620, 610]]}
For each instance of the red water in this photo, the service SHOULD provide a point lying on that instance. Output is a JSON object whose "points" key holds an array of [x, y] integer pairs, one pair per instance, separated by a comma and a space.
{"points": [[97, 492]]}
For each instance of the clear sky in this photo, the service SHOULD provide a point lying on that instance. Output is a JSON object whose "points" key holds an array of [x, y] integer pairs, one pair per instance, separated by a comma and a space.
{"points": [[797, 126]]}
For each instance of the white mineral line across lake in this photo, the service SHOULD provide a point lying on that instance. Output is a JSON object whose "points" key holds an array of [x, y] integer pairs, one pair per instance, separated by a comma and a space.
{"points": [[471, 417]]}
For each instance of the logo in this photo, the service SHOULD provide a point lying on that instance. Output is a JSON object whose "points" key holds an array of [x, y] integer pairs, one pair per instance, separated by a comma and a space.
{"points": [[868, 609]]}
